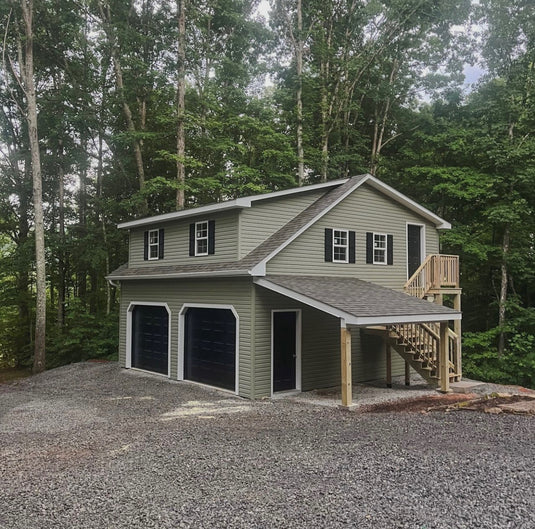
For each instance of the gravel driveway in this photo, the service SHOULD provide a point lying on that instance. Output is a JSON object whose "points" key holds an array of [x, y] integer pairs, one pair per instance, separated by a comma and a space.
{"points": [[94, 446]]}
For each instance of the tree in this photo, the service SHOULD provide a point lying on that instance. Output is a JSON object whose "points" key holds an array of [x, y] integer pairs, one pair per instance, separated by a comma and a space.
{"points": [[25, 77]]}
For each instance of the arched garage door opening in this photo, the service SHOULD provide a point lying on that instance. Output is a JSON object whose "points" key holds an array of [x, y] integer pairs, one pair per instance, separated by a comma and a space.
{"points": [[210, 346], [149, 349]]}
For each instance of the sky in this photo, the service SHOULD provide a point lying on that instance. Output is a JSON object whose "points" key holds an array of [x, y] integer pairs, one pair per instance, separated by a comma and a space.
{"points": [[472, 73]]}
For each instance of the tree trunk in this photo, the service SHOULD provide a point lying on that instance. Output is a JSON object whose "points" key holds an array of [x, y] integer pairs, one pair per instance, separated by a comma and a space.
{"points": [[131, 127], [181, 107], [503, 290], [299, 95], [31, 118], [61, 250]]}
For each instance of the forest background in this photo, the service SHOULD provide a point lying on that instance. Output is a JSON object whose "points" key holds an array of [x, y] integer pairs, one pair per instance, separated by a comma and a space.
{"points": [[115, 109]]}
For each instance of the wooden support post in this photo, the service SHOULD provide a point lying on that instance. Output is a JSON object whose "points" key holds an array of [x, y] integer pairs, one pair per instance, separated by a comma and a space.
{"points": [[407, 373], [444, 365], [439, 299], [345, 349], [457, 330], [388, 366]]}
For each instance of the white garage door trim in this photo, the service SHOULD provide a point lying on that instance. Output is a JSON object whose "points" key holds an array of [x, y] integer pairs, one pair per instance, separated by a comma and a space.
{"points": [[131, 306], [181, 337]]}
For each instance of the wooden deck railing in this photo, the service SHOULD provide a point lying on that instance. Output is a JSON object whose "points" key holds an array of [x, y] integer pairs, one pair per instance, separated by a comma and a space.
{"points": [[423, 339], [436, 272]]}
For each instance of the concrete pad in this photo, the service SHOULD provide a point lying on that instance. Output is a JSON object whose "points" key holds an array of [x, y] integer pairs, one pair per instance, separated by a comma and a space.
{"points": [[467, 386]]}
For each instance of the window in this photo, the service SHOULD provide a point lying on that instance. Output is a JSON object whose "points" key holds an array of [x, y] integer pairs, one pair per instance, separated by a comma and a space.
{"points": [[201, 238], [154, 243], [379, 248], [340, 246]]}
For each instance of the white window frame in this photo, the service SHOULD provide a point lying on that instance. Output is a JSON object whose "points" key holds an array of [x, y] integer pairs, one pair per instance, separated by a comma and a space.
{"points": [[198, 239], [345, 246], [154, 245], [375, 261]]}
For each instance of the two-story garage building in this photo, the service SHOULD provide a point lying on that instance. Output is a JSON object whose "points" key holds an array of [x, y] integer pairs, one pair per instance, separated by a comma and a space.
{"points": [[299, 289]]}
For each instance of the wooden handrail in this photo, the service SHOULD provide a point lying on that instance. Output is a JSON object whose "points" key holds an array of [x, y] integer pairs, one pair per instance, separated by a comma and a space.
{"points": [[437, 271]]}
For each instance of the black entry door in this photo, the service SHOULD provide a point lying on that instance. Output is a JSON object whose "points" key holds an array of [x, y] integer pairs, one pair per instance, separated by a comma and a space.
{"points": [[284, 350], [414, 248], [210, 347], [150, 338]]}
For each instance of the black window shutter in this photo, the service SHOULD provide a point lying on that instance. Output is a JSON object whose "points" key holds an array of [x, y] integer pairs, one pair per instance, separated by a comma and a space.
{"points": [[192, 239], [390, 249], [328, 245], [369, 247], [211, 237], [352, 250], [160, 243], [146, 245]]}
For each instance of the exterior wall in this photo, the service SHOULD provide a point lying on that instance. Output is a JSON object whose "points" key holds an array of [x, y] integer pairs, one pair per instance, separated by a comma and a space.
{"points": [[265, 217], [320, 343], [369, 357], [176, 241], [365, 210], [175, 293], [320, 347]]}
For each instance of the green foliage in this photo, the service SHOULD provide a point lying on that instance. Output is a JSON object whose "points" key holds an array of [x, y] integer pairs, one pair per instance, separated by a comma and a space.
{"points": [[84, 336], [470, 158], [481, 360]]}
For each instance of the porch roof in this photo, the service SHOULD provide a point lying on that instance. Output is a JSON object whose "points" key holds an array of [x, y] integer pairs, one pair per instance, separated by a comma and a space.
{"points": [[357, 302]]}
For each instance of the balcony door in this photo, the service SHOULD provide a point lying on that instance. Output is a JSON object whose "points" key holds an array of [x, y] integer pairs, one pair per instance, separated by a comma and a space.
{"points": [[415, 247]]}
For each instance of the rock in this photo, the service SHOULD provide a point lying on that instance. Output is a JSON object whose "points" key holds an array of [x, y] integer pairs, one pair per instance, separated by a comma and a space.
{"points": [[525, 407], [494, 411]]}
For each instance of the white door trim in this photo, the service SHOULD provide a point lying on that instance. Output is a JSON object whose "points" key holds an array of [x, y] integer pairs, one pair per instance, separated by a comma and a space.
{"points": [[298, 327], [181, 337], [131, 306]]}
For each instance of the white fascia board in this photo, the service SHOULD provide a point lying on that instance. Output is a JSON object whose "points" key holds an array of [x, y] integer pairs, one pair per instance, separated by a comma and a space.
{"points": [[230, 204], [224, 273], [418, 318], [439, 222], [350, 319]]}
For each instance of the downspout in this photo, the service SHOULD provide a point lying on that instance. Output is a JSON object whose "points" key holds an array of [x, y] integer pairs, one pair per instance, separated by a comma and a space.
{"points": [[116, 285]]}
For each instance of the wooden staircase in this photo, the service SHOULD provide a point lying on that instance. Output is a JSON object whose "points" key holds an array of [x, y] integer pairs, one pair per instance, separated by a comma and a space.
{"points": [[419, 343]]}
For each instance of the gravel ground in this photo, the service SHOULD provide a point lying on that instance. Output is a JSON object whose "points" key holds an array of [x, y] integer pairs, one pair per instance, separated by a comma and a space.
{"points": [[93, 446]]}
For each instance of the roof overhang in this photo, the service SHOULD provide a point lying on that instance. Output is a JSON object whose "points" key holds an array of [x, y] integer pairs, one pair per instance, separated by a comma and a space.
{"points": [[389, 191], [178, 275], [360, 320]]}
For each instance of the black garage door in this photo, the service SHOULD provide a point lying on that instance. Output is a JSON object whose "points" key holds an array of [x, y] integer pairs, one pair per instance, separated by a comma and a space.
{"points": [[210, 347], [150, 338]]}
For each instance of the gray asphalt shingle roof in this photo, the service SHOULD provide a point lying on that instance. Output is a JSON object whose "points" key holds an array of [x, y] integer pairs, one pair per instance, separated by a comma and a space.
{"points": [[358, 299]]}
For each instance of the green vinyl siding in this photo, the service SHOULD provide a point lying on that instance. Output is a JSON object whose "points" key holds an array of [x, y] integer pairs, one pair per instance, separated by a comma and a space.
{"points": [[235, 292], [176, 241], [320, 343], [267, 216], [365, 210], [320, 347], [369, 357]]}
